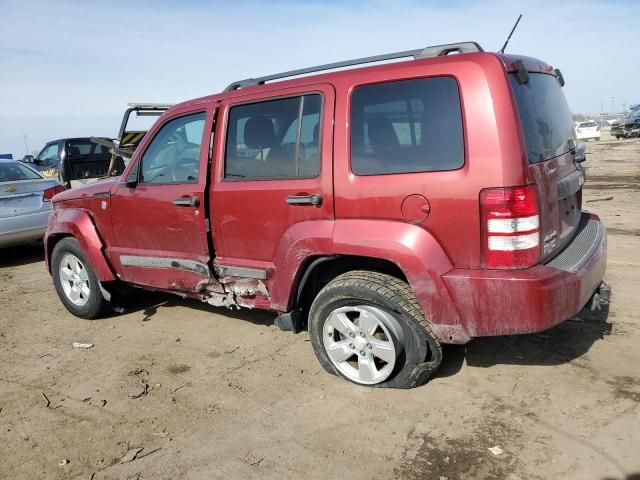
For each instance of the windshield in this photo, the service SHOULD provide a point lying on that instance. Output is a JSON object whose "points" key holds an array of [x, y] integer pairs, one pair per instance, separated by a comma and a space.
{"points": [[545, 116], [13, 172]]}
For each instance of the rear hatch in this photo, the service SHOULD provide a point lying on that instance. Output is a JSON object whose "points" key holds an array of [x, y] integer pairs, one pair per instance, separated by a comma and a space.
{"points": [[550, 145]]}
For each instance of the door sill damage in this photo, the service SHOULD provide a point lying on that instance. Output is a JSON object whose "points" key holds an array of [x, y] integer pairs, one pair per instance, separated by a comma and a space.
{"points": [[237, 292]]}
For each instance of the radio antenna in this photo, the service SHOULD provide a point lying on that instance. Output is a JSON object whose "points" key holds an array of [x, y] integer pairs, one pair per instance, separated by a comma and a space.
{"points": [[509, 37]]}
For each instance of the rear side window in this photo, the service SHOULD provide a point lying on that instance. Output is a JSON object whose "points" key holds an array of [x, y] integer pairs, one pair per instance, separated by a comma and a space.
{"points": [[274, 139], [406, 126], [86, 147], [545, 116]]}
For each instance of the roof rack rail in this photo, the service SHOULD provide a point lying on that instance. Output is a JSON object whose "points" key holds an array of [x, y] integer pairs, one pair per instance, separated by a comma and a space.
{"points": [[434, 51]]}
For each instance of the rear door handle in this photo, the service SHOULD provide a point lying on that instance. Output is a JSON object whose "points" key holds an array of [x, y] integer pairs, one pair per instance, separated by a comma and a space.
{"points": [[186, 202], [314, 199]]}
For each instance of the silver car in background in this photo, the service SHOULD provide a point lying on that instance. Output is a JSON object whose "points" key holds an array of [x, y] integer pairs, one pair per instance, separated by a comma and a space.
{"points": [[25, 203]]}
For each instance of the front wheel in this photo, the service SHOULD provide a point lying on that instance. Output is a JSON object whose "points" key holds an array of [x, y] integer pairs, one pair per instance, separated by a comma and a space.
{"points": [[74, 280], [368, 327]]}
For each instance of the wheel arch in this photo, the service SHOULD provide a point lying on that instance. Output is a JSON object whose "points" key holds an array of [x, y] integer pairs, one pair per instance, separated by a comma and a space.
{"points": [[403, 250], [318, 271], [78, 224]]}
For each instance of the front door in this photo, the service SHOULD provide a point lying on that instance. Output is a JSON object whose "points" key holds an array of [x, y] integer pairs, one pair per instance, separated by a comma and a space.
{"points": [[159, 216], [272, 181]]}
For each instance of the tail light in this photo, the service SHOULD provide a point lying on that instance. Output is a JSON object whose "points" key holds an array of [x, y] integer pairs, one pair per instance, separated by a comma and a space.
{"points": [[511, 227], [597, 128], [49, 193]]}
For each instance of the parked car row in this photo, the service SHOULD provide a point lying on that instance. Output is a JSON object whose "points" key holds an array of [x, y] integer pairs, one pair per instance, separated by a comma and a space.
{"points": [[63, 163]]}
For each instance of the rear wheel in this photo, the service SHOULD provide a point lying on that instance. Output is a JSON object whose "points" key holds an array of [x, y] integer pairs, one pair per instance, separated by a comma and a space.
{"points": [[368, 327], [74, 280]]}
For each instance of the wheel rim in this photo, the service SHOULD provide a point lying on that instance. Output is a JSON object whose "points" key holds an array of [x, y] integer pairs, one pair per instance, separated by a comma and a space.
{"points": [[74, 280], [363, 342]]}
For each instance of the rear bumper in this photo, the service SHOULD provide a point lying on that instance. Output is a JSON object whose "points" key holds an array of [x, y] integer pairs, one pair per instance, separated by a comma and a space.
{"points": [[493, 302], [23, 228]]}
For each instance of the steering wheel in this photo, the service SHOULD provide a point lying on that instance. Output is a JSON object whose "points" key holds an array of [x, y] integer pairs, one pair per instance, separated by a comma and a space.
{"points": [[184, 168]]}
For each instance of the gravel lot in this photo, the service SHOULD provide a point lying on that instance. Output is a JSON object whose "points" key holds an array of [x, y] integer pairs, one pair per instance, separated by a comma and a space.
{"points": [[210, 393]]}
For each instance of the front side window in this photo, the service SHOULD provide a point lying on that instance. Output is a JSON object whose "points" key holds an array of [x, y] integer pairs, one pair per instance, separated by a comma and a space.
{"points": [[406, 126], [173, 156], [49, 156], [275, 139]]}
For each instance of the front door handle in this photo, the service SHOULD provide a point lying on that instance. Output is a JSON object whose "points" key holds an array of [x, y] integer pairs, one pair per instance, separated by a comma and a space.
{"points": [[186, 202], [314, 199]]}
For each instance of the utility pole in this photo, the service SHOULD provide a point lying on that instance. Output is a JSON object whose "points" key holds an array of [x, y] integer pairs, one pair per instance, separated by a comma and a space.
{"points": [[26, 146], [612, 99]]}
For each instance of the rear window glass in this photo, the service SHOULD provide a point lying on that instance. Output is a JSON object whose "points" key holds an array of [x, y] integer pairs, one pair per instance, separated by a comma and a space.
{"points": [[587, 124], [85, 147], [545, 116], [406, 126], [13, 172]]}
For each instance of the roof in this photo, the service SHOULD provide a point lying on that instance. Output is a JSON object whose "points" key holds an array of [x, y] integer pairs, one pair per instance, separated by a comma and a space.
{"points": [[508, 60]]}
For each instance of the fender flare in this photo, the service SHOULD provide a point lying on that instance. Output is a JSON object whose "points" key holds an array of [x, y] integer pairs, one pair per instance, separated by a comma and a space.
{"points": [[410, 247], [77, 223]]}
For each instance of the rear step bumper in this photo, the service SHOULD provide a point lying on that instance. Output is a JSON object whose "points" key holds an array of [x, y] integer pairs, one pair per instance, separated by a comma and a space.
{"points": [[505, 302]]}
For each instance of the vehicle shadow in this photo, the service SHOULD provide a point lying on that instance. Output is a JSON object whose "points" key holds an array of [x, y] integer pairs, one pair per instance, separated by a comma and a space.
{"points": [[149, 302], [561, 344], [21, 254]]}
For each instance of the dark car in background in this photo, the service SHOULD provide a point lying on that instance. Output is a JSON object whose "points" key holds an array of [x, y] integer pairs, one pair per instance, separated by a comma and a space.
{"points": [[75, 161], [629, 126]]}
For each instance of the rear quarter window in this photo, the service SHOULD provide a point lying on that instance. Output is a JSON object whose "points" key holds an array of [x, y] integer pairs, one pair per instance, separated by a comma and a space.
{"points": [[406, 126], [545, 116]]}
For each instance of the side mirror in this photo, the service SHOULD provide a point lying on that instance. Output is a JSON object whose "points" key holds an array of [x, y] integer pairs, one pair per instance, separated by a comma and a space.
{"points": [[580, 153], [28, 159]]}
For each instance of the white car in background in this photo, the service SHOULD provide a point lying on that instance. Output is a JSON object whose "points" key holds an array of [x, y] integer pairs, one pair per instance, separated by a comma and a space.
{"points": [[587, 130]]}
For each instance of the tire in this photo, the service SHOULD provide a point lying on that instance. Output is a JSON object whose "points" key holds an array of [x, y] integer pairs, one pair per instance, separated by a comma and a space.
{"points": [[394, 321], [75, 282]]}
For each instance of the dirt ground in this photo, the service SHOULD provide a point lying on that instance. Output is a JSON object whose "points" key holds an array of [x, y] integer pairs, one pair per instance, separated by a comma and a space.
{"points": [[210, 393]]}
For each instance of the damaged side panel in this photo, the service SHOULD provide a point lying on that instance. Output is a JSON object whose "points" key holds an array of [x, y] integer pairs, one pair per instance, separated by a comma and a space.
{"points": [[238, 292]]}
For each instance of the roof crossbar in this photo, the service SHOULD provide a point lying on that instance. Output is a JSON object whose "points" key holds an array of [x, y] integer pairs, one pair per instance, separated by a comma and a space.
{"points": [[434, 51]]}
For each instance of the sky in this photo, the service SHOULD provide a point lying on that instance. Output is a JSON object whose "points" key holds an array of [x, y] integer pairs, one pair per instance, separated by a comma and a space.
{"points": [[68, 68]]}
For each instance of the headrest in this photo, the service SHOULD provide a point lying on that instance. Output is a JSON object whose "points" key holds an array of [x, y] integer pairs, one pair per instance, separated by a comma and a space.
{"points": [[74, 151], [259, 133], [381, 132]]}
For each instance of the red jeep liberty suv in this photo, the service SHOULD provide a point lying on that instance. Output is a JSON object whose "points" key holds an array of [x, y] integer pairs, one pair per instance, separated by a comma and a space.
{"points": [[389, 208]]}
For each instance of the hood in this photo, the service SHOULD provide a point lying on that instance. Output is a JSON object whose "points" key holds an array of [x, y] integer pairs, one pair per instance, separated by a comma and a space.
{"points": [[101, 188]]}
